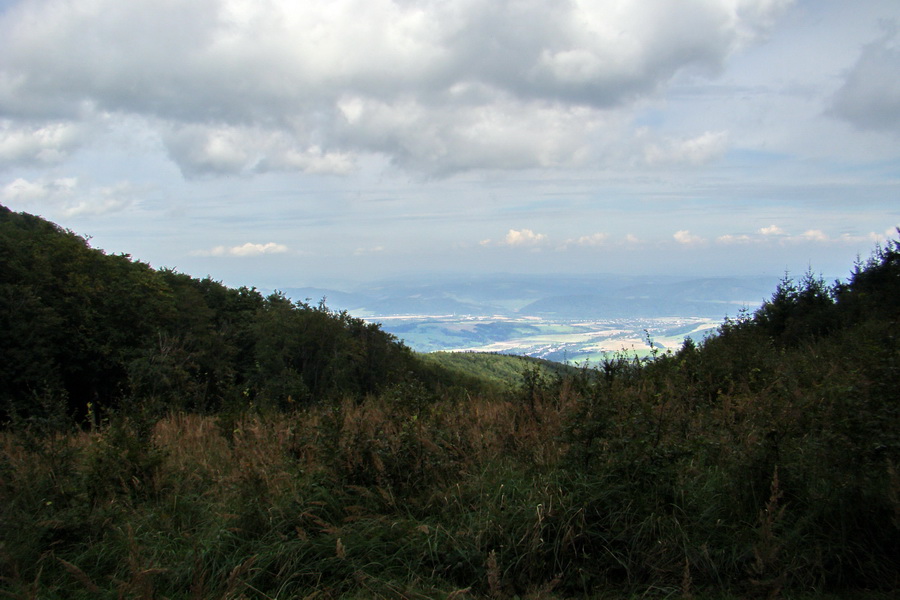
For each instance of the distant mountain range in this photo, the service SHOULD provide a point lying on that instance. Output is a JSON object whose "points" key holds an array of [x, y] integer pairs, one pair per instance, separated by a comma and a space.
{"points": [[548, 296]]}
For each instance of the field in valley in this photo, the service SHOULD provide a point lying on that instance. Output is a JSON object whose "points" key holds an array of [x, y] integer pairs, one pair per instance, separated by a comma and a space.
{"points": [[564, 341]]}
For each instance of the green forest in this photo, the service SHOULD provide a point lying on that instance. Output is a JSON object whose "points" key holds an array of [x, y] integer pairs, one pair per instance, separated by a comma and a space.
{"points": [[164, 436]]}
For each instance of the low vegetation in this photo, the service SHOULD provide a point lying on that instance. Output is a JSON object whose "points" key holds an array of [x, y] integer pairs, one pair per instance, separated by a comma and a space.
{"points": [[498, 369], [760, 463]]}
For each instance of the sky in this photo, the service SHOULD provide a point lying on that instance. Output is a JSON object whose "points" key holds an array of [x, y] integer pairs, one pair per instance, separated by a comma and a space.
{"points": [[280, 143]]}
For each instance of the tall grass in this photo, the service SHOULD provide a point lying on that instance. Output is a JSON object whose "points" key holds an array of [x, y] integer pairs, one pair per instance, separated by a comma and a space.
{"points": [[686, 477], [361, 497]]}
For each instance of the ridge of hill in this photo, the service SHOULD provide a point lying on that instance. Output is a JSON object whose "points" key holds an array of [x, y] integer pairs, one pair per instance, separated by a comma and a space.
{"points": [[91, 331], [560, 296]]}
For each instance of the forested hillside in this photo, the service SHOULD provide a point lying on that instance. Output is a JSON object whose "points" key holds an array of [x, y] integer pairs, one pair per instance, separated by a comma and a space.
{"points": [[86, 331], [255, 448]]}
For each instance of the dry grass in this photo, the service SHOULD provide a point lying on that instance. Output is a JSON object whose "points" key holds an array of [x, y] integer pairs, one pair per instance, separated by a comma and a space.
{"points": [[655, 487]]}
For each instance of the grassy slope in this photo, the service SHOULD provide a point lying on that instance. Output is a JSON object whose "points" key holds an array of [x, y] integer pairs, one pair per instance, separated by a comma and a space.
{"points": [[502, 369]]}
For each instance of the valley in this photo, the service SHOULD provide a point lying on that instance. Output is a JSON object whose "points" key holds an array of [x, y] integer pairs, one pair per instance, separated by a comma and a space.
{"points": [[574, 342], [565, 318]]}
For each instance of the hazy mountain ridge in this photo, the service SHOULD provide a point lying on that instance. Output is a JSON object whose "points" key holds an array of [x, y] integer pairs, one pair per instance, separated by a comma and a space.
{"points": [[565, 318], [568, 297]]}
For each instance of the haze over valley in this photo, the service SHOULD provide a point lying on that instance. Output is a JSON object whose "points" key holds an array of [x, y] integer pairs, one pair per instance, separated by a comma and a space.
{"points": [[563, 318]]}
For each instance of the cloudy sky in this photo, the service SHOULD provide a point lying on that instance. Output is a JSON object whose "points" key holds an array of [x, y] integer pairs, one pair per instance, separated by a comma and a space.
{"points": [[280, 143]]}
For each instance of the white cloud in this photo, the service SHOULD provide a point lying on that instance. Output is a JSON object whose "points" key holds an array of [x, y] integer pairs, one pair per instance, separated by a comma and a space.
{"points": [[31, 192], [687, 238], [813, 235], [371, 250], [523, 237], [734, 239], [772, 230], [872, 237], [694, 151], [244, 250], [66, 195], [775, 234], [37, 144], [890, 233], [102, 200], [437, 87], [595, 239]]}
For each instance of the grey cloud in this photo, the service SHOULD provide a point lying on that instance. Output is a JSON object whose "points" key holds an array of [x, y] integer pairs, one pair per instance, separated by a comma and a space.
{"points": [[200, 150], [244, 85], [870, 95], [203, 150], [502, 134]]}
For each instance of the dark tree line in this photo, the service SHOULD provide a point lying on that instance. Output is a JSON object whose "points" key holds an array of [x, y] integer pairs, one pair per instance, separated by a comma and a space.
{"points": [[786, 420], [805, 310], [92, 331]]}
